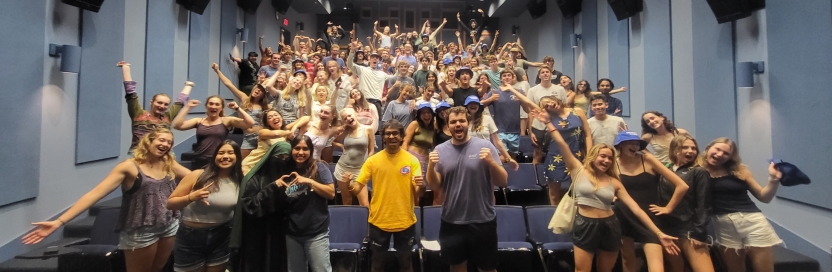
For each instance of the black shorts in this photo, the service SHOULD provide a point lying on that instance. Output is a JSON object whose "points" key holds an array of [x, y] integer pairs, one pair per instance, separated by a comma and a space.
{"points": [[593, 234], [675, 227], [543, 139], [475, 243], [403, 241], [632, 227]]}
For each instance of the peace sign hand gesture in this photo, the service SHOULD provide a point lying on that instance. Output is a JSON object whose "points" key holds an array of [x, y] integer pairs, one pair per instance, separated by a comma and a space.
{"points": [[201, 194]]}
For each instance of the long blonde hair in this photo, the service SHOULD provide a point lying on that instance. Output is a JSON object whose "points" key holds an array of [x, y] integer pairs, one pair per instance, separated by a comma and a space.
{"points": [[301, 92], [264, 103], [733, 165], [141, 151], [593, 153]]}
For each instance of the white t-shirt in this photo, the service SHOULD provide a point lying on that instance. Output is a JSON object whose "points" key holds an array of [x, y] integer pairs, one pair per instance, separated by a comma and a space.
{"points": [[606, 131], [538, 92], [488, 128]]}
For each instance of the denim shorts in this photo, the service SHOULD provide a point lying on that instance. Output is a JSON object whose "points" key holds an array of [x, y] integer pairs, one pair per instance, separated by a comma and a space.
{"points": [[145, 236], [198, 247], [510, 140], [740, 230], [249, 141]]}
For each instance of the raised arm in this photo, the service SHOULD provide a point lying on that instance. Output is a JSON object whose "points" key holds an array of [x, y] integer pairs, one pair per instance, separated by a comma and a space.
{"points": [[572, 163], [424, 26], [375, 28], [134, 107], [439, 28], [243, 123], [237, 60], [461, 24], [241, 96], [680, 185], [444, 87], [397, 31], [109, 184], [179, 122], [260, 44], [180, 100], [763, 194], [494, 42]]}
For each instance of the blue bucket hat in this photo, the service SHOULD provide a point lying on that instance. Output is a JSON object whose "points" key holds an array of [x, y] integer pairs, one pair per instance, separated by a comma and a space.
{"points": [[625, 136], [441, 105], [448, 61], [791, 174]]}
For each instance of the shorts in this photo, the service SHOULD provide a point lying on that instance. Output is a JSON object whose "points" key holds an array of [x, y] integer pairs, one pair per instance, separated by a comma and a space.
{"points": [[593, 234], [403, 241], [510, 140], [145, 236], [543, 140], [249, 141], [339, 172], [675, 227], [741, 230], [196, 248], [632, 227], [475, 243]]}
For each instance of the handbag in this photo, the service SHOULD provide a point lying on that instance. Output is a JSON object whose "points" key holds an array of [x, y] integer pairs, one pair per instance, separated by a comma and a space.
{"points": [[564, 217]]}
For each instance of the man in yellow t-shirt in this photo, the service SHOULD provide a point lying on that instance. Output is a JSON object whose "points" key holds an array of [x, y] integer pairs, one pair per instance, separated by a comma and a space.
{"points": [[397, 182]]}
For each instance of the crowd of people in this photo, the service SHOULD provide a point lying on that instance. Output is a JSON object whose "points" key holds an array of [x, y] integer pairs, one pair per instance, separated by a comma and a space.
{"points": [[450, 115]]}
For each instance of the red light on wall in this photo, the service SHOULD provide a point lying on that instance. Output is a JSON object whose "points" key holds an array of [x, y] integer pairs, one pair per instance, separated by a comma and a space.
{"points": [[285, 22]]}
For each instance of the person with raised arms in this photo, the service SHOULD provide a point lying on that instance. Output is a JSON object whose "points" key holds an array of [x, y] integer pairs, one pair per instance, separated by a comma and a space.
{"points": [[143, 121], [467, 169], [253, 104], [212, 130], [146, 227]]}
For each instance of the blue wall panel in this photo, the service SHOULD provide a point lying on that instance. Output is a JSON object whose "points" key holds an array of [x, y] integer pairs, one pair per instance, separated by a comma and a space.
{"points": [[100, 103], [251, 24], [658, 73], [22, 88], [589, 41], [228, 40], [568, 27], [159, 48], [799, 83], [713, 76], [619, 57], [199, 65]]}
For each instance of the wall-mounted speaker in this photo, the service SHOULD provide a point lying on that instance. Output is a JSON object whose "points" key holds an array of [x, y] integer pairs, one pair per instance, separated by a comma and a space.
{"points": [[732, 10], [570, 8], [626, 8], [195, 6], [536, 8], [282, 6], [249, 6], [91, 5]]}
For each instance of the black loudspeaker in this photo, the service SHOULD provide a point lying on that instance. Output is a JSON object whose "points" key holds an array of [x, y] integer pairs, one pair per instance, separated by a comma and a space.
{"points": [[570, 8], [195, 6], [731, 10], [626, 8], [536, 8], [282, 6], [249, 6], [91, 5]]}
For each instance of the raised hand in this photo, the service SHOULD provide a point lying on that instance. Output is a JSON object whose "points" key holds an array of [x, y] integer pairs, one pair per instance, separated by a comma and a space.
{"points": [[541, 115], [457, 15], [485, 155], [457, 33], [262, 37], [773, 173], [433, 157], [419, 180], [479, 10], [497, 33], [215, 66], [193, 103], [233, 105], [396, 25], [41, 231], [201, 194], [495, 96], [375, 23], [444, 20], [122, 63]]}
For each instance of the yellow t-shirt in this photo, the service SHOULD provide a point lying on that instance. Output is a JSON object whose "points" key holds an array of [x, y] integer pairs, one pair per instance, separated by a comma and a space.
{"points": [[391, 208]]}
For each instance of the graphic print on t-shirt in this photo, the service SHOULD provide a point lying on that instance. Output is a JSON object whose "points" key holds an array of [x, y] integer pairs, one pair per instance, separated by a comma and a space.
{"points": [[405, 170], [296, 190]]}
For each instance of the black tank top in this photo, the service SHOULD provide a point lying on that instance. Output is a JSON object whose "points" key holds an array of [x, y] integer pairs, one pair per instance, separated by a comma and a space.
{"points": [[643, 188], [441, 137]]}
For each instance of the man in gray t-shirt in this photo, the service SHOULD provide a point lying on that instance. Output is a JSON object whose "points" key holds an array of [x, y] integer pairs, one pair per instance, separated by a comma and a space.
{"points": [[604, 127], [467, 168]]}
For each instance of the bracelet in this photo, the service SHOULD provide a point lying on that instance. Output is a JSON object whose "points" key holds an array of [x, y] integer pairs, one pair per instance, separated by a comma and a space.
{"points": [[62, 221], [189, 84]]}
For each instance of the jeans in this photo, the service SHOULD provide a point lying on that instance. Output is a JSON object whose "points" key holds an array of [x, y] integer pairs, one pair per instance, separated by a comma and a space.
{"points": [[312, 251], [379, 108]]}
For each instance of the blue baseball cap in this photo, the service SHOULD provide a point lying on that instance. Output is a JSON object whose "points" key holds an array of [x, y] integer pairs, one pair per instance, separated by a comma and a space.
{"points": [[472, 99], [464, 69], [441, 105], [299, 72], [448, 61], [625, 136], [424, 105], [791, 174]]}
